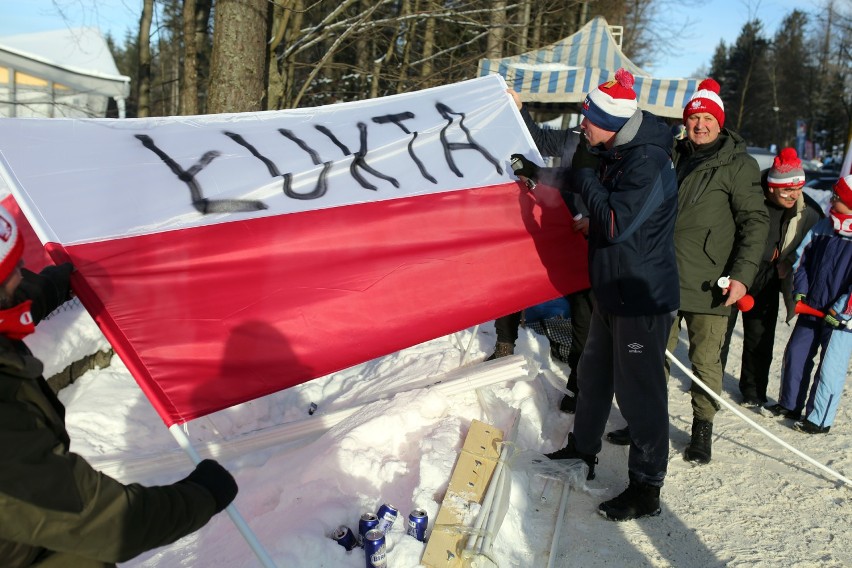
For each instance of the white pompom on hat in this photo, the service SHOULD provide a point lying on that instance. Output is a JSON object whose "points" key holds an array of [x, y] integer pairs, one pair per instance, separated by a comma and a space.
{"points": [[611, 104], [786, 171], [706, 99], [11, 244]]}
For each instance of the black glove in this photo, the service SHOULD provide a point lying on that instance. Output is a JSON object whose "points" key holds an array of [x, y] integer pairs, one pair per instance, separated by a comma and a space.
{"points": [[215, 479], [48, 289], [584, 158], [523, 167]]}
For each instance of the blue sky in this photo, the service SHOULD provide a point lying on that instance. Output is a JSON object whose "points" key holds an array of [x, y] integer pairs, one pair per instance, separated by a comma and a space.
{"points": [[710, 21]]}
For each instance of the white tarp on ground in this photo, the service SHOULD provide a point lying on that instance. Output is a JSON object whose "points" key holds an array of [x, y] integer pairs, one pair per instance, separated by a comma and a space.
{"points": [[63, 73], [564, 72]]}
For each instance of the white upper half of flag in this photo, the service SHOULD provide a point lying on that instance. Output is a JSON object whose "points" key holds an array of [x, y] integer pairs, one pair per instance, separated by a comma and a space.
{"points": [[84, 180]]}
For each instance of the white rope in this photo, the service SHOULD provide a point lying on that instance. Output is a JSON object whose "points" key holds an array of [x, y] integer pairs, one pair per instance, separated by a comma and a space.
{"points": [[755, 425]]}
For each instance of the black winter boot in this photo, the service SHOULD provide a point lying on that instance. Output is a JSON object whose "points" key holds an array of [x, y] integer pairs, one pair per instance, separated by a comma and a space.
{"points": [[698, 450], [502, 349], [570, 452], [638, 500], [620, 437]]}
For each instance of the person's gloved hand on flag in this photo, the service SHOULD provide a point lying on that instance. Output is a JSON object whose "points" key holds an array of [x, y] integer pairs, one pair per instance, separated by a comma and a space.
{"points": [[210, 475], [525, 169]]}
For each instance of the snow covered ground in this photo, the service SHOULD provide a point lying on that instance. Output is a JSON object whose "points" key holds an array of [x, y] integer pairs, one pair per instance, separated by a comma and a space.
{"points": [[755, 504]]}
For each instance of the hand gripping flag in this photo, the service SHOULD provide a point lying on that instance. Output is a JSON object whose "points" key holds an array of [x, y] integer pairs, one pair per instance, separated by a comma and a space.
{"points": [[226, 257]]}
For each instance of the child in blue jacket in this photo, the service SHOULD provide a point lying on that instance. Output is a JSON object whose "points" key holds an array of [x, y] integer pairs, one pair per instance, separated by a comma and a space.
{"points": [[823, 281]]}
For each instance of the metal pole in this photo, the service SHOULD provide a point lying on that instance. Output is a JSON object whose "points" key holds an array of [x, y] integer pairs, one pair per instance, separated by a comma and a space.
{"points": [[236, 518], [466, 351], [557, 530], [488, 500]]}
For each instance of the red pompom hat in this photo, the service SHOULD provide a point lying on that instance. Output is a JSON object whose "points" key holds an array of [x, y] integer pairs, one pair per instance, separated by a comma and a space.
{"points": [[843, 189], [706, 99], [786, 171], [612, 103]]}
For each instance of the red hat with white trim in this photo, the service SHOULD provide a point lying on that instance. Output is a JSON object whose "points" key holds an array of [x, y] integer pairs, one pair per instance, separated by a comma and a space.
{"points": [[786, 171], [11, 244], [706, 99], [843, 190]]}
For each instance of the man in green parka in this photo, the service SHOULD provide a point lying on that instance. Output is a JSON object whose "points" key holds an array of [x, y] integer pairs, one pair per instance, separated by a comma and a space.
{"points": [[721, 231], [720, 235], [55, 510]]}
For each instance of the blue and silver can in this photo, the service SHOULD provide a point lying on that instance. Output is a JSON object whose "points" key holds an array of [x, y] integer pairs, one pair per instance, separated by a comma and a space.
{"points": [[387, 516], [375, 551], [345, 537], [417, 521], [368, 522]]}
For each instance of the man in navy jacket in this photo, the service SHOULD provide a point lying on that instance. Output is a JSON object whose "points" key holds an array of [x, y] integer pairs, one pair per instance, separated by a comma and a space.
{"points": [[625, 176]]}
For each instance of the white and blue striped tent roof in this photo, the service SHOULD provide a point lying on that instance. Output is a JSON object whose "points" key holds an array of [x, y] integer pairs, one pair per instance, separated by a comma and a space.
{"points": [[564, 72]]}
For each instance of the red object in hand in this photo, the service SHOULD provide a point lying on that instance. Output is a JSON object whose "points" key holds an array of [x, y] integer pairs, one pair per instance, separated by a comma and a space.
{"points": [[745, 303], [803, 308]]}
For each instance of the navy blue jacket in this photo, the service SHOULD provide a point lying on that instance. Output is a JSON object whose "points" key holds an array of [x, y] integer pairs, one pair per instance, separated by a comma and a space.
{"points": [[632, 203], [824, 274]]}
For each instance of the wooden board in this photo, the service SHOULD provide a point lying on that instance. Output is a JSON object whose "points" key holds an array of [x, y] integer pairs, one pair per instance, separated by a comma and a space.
{"points": [[468, 483]]}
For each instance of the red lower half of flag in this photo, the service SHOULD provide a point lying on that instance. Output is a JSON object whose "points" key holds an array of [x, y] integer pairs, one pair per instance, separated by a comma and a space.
{"points": [[213, 316]]}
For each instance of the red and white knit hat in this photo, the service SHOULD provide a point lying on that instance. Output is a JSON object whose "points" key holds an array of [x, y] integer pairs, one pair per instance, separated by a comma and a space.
{"points": [[706, 99], [612, 103], [786, 171], [11, 244], [843, 190]]}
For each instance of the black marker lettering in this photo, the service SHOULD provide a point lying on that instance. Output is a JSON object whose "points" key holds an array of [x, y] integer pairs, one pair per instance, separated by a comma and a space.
{"points": [[358, 161], [471, 144], [397, 119], [201, 203], [322, 182]]}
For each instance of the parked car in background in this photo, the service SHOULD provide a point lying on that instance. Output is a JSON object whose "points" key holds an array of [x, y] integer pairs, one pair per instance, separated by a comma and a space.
{"points": [[821, 181], [763, 156]]}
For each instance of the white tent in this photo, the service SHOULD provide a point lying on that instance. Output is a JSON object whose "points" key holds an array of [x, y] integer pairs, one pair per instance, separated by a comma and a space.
{"points": [[565, 71], [62, 73]]}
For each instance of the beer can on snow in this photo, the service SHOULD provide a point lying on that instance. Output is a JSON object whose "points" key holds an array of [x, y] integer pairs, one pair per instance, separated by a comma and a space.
{"points": [[417, 521], [368, 522], [375, 551], [387, 516], [344, 537]]}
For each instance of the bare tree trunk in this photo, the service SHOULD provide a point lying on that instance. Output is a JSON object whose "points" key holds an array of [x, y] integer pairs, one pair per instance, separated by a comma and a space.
{"points": [[538, 21], [526, 8], [494, 46], [408, 37], [362, 51], [189, 89], [238, 68], [277, 79], [144, 77], [428, 47]]}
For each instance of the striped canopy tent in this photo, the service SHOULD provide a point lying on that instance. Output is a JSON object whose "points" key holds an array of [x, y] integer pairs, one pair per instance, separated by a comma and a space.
{"points": [[564, 72]]}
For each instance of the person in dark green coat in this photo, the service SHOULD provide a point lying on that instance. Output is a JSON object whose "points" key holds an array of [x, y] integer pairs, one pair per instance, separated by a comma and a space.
{"points": [[720, 235], [55, 509], [721, 231]]}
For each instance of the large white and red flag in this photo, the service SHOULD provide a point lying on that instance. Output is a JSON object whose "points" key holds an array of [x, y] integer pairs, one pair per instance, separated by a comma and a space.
{"points": [[226, 257]]}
